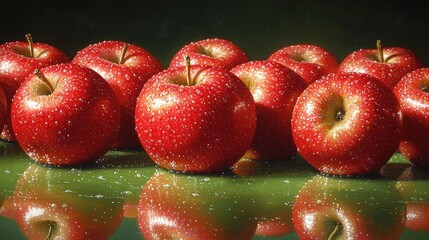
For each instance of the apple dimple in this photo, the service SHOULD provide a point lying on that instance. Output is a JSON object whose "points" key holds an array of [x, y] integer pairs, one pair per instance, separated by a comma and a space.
{"points": [[42, 90], [109, 56], [298, 57], [186, 77], [21, 51], [204, 50], [425, 87], [44, 87], [115, 56], [24, 51], [335, 111], [372, 55], [48, 228]]}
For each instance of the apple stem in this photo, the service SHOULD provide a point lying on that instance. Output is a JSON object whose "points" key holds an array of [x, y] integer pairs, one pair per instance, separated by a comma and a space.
{"points": [[124, 50], [30, 44], [43, 79], [380, 51], [335, 232], [188, 70]]}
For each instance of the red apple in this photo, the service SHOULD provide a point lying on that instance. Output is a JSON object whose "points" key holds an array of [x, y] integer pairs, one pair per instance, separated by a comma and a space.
{"points": [[65, 114], [347, 124], [43, 210], [195, 119], [412, 92], [211, 52], [3, 108], [275, 90], [9, 85], [19, 59], [126, 67], [387, 64], [311, 62], [348, 208]]}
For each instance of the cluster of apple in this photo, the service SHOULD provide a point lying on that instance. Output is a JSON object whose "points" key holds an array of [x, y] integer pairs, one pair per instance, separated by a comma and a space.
{"points": [[213, 105], [66, 111]]}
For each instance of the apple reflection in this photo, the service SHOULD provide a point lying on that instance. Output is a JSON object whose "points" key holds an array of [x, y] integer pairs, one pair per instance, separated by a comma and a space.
{"points": [[178, 206], [274, 186], [256, 198], [348, 208], [44, 209], [412, 184], [12, 165]]}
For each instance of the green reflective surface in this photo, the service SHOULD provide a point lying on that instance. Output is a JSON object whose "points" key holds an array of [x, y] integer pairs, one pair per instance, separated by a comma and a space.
{"points": [[125, 196]]}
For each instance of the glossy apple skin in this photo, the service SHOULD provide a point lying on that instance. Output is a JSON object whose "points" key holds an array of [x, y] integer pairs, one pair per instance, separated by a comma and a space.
{"points": [[206, 127], [126, 79], [273, 228], [74, 125], [363, 208], [211, 52], [9, 85], [398, 62], [3, 108], [39, 200], [15, 66], [412, 92], [275, 90], [367, 136], [417, 216], [176, 206], [311, 62]]}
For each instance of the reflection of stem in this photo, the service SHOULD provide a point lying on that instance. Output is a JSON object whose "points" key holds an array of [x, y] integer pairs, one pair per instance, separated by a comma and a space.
{"points": [[335, 232], [50, 230]]}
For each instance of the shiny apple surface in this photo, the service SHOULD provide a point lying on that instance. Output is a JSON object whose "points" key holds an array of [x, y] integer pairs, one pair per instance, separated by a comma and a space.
{"points": [[124, 195]]}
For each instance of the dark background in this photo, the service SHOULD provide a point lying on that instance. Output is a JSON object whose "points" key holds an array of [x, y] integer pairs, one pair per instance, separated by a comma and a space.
{"points": [[259, 27]]}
